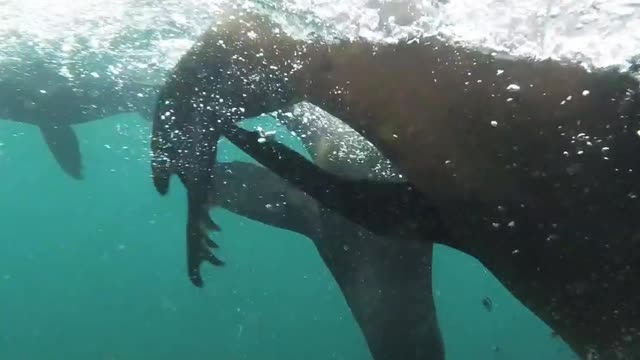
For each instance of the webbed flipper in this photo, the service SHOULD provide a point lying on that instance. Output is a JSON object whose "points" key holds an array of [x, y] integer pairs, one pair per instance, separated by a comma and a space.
{"points": [[65, 147], [199, 244]]}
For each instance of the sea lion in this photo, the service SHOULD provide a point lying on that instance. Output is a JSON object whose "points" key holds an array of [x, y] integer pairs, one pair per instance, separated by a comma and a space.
{"points": [[35, 92], [371, 280], [532, 164], [386, 283], [397, 311]]}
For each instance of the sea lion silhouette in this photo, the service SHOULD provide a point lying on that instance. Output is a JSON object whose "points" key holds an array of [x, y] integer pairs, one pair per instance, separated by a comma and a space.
{"points": [[386, 283], [397, 311], [35, 92], [532, 165]]}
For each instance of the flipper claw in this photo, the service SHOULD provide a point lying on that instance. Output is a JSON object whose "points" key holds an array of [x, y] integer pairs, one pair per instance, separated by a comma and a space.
{"points": [[199, 244], [209, 224], [210, 243]]}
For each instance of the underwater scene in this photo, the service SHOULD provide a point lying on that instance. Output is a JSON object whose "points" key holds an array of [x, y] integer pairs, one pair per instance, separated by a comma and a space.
{"points": [[338, 252]]}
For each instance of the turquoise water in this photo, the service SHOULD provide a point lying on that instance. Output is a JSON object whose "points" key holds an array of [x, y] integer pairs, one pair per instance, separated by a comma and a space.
{"points": [[95, 269]]}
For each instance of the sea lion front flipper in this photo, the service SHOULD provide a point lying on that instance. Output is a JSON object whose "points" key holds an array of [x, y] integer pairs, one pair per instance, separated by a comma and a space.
{"points": [[65, 147]]}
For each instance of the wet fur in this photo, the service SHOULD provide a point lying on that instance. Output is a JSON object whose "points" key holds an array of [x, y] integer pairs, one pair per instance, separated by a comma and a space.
{"points": [[560, 232]]}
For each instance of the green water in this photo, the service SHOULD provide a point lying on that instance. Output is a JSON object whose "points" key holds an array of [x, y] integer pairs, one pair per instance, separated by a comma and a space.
{"points": [[95, 269]]}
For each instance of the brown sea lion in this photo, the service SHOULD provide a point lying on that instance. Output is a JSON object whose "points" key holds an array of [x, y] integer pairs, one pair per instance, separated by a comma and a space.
{"points": [[532, 164]]}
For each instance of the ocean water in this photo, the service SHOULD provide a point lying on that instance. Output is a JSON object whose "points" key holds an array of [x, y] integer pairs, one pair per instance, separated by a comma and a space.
{"points": [[95, 269]]}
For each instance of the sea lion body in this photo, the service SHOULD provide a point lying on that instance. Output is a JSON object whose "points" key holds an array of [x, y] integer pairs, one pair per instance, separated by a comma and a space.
{"points": [[385, 282], [35, 93], [38, 95], [395, 310], [533, 164]]}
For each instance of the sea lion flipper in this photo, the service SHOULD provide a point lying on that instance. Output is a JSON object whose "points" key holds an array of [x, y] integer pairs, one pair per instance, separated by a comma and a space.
{"points": [[208, 224], [65, 147], [199, 244], [160, 165]]}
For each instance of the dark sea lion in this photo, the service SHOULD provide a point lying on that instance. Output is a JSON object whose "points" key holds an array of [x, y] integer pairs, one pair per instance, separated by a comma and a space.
{"points": [[35, 92], [396, 311], [542, 154], [386, 283], [372, 278]]}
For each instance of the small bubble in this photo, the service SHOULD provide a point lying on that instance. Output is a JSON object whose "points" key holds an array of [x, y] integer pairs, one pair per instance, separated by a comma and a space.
{"points": [[268, 206], [495, 225], [512, 224], [345, 247], [632, 195], [95, 74], [585, 92], [513, 87], [605, 150], [494, 123], [107, 146], [43, 91], [499, 72]]}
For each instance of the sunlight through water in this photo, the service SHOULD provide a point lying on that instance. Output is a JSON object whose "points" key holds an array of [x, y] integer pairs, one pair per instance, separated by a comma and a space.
{"points": [[142, 39]]}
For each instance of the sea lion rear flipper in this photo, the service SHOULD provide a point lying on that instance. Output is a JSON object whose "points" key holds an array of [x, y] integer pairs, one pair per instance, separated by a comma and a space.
{"points": [[65, 147], [388, 287], [199, 244]]}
